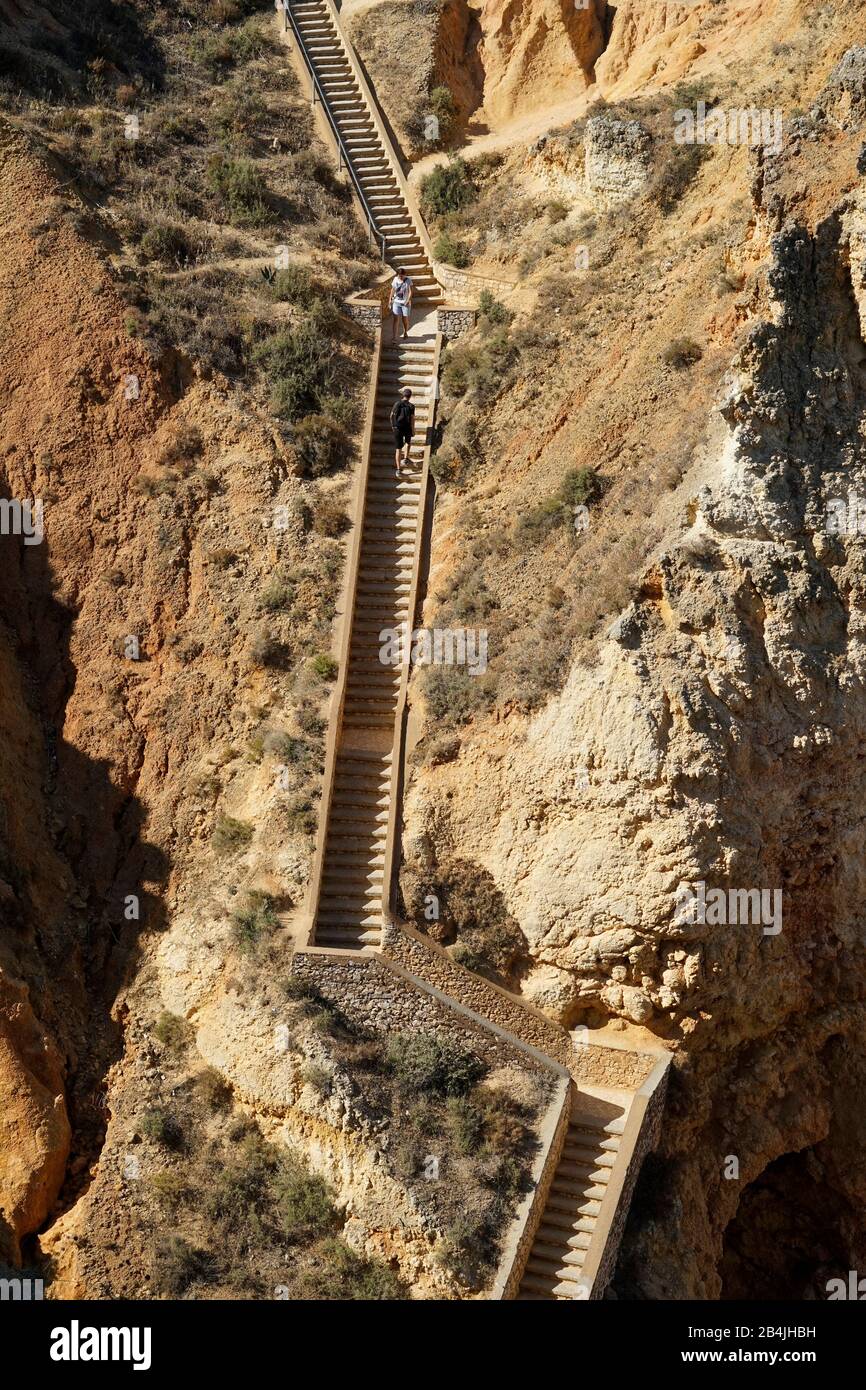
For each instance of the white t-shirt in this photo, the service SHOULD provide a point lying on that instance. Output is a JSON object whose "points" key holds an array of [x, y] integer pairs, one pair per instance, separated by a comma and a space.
{"points": [[401, 289]]}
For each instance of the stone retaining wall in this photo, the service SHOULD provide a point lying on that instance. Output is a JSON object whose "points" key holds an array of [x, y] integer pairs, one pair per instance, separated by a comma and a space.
{"points": [[597, 1065], [424, 960], [381, 996], [465, 286], [454, 323], [366, 313]]}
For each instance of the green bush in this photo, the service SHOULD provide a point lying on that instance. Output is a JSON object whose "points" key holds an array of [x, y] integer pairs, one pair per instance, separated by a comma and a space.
{"points": [[580, 487], [162, 1128], [293, 285], [179, 1264], [453, 696], [216, 53], [325, 665], [319, 1078], [344, 1276], [480, 370], [221, 51], [447, 188], [423, 1062], [264, 1188], [302, 1202], [300, 365], [214, 1089], [539, 520], [241, 188], [492, 312], [277, 596], [321, 445], [443, 108], [231, 835], [473, 910], [682, 352], [251, 923], [166, 242], [172, 1031], [301, 816], [168, 1188], [239, 113], [467, 1124], [341, 407], [286, 748], [199, 315], [450, 251], [503, 1125]]}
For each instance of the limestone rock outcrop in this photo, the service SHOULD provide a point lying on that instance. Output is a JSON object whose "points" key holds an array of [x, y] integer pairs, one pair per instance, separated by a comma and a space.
{"points": [[718, 739], [616, 159]]}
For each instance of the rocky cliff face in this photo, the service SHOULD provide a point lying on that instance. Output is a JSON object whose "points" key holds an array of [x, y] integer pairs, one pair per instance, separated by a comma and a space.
{"points": [[711, 736], [717, 738], [530, 51], [616, 160], [139, 716]]}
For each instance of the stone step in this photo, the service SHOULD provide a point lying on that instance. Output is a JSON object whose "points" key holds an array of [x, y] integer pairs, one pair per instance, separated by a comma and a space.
{"points": [[566, 1223], [346, 938], [574, 1199], [536, 1288]]}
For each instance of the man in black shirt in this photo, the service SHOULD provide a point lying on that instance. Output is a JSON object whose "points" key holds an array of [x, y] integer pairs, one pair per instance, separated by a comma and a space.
{"points": [[403, 425]]}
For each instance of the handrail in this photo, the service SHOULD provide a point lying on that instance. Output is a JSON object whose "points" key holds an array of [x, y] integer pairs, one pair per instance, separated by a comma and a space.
{"points": [[381, 130], [338, 699], [344, 153]]}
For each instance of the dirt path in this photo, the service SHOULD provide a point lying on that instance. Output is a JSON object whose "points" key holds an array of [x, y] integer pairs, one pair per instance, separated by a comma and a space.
{"points": [[522, 130]]}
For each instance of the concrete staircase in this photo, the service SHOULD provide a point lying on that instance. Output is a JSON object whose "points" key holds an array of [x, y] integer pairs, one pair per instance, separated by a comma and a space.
{"points": [[353, 863], [574, 1206], [580, 1189], [370, 153]]}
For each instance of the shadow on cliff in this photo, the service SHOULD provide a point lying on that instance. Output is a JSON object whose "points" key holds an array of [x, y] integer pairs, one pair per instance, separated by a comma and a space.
{"points": [[85, 880], [66, 49]]}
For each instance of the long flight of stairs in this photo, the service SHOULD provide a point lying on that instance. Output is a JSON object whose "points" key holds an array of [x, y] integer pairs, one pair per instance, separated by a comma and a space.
{"points": [[350, 901], [348, 886], [373, 162], [574, 1203]]}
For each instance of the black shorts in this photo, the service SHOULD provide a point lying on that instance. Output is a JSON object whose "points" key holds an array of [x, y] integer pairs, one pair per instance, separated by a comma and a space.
{"points": [[402, 435]]}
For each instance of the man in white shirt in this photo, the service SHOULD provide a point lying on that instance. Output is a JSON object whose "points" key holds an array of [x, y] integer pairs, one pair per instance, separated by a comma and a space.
{"points": [[400, 303]]}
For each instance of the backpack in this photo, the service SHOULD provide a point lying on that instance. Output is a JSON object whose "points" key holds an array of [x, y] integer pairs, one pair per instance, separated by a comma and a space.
{"points": [[402, 413]]}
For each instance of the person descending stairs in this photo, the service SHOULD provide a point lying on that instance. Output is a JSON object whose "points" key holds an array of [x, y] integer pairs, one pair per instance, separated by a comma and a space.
{"points": [[350, 901]]}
